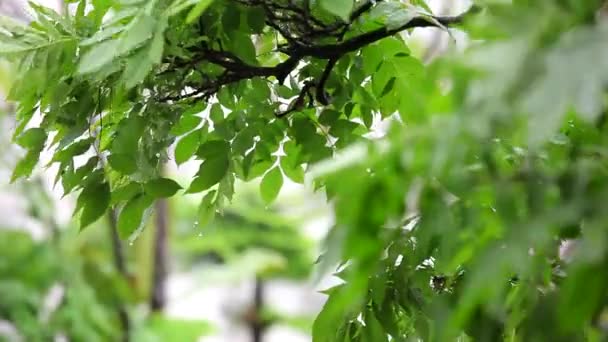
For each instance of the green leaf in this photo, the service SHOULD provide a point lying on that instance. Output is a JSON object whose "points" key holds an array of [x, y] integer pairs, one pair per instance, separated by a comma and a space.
{"points": [[33, 138], [94, 200], [271, 185], [186, 147], [243, 141], [128, 134], [185, 124], [10, 48], [123, 163], [161, 187], [132, 215], [256, 19], [155, 53], [126, 192], [70, 178], [138, 67], [25, 166], [243, 47], [206, 209], [328, 117], [210, 173], [98, 57], [102, 35], [75, 149], [339, 8], [292, 170], [214, 149], [137, 33], [140, 30], [198, 10]]}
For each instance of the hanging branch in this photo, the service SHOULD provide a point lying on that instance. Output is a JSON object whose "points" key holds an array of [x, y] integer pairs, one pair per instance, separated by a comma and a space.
{"points": [[300, 29]]}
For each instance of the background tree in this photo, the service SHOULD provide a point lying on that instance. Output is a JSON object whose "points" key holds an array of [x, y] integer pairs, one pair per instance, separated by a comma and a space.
{"points": [[448, 226]]}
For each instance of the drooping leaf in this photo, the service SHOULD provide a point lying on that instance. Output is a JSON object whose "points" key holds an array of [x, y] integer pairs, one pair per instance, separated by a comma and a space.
{"points": [[187, 146], [94, 200], [210, 173], [339, 8], [123, 163], [99, 56], [271, 185], [161, 187], [206, 209], [196, 12], [132, 214]]}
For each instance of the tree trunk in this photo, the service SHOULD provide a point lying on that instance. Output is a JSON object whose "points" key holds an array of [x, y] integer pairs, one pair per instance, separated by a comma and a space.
{"points": [[257, 325], [158, 296], [121, 267]]}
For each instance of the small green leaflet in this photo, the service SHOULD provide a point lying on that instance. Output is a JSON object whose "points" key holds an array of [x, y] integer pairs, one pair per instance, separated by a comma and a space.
{"points": [[132, 215], [73, 150], [129, 133], [393, 14], [339, 8], [140, 30], [185, 124], [186, 147], [123, 163], [198, 10], [137, 69], [98, 56], [9, 48], [126, 192], [292, 171], [94, 200], [33, 139], [140, 64], [25, 166], [210, 173], [102, 35], [206, 210], [271, 185], [161, 187]]}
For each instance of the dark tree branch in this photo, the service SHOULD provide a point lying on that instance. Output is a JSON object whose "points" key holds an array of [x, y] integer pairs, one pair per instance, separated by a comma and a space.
{"points": [[330, 51], [299, 28], [321, 94], [363, 8], [298, 103]]}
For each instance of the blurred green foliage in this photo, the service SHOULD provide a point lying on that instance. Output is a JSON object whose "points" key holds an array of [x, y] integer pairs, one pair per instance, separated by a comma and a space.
{"points": [[447, 227], [251, 239], [29, 270]]}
